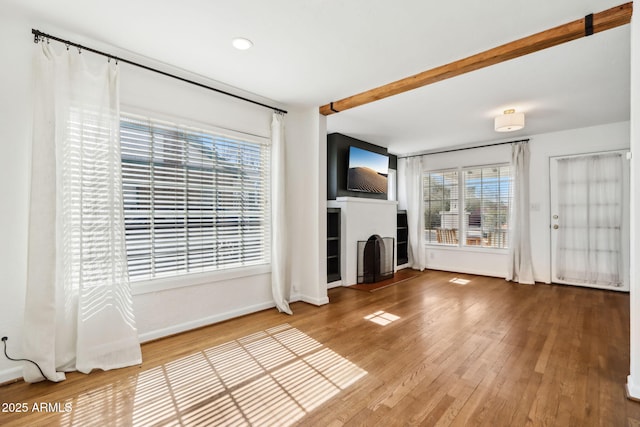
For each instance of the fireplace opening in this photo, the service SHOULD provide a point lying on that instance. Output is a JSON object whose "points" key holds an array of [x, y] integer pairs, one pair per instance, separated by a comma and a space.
{"points": [[375, 259]]}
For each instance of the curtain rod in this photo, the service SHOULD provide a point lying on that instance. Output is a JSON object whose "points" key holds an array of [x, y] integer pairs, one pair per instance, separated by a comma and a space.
{"points": [[465, 148], [38, 35]]}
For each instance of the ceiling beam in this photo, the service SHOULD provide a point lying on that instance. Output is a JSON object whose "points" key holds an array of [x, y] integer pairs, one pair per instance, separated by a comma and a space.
{"points": [[595, 23]]}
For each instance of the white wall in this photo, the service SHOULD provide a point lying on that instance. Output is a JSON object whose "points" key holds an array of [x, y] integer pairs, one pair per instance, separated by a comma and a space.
{"points": [[306, 180], [15, 154], [494, 262], [160, 312], [633, 380]]}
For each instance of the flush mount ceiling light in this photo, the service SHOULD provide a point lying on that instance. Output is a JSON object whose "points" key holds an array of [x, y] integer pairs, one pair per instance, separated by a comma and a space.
{"points": [[509, 121], [241, 43]]}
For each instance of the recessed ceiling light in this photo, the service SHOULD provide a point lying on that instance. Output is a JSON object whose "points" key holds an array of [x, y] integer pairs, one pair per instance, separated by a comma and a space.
{"points": [[241, 43]]}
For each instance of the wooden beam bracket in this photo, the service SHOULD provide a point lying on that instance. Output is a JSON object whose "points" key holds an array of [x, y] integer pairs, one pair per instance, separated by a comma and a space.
{"points": [[588, 25]]}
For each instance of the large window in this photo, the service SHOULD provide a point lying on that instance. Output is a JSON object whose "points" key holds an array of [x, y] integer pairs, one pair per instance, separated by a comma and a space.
{"points": [[476, 216], [194, 200]]}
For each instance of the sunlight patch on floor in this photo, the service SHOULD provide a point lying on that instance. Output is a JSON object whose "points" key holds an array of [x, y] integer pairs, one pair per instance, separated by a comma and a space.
{"points": [[381, 318], [272, 377], [459, 281]]}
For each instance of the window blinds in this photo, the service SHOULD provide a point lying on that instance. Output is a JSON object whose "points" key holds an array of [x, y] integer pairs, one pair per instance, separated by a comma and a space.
{"points": [[475, 200], [441, 207], [194, 201], [487, 203]]}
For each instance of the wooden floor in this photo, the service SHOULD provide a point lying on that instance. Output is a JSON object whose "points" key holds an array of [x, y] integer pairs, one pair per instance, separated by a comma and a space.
{"points": [[440, 349]]}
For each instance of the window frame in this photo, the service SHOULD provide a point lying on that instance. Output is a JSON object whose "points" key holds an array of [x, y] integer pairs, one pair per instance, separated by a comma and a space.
{"points": [[425, 176], [465, 224], [461, 199], [186, 278]]}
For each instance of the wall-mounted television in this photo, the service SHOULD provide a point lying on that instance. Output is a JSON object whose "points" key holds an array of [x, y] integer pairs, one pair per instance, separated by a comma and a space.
{"points": [[367, 171]]}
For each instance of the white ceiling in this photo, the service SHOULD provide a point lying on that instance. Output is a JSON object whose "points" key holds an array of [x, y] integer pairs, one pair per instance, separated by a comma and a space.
{"points": [[311, 52]]}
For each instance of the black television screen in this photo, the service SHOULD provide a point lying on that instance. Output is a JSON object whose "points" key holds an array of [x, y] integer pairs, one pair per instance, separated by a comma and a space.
{"points": [[367, 171]]}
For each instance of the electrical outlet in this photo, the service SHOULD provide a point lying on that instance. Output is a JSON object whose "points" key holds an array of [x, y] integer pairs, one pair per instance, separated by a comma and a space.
{"points": [[5, 338]]}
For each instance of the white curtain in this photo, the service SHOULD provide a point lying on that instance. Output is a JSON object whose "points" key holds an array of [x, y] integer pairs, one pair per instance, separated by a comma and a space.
{"points": [[280, 285], [520, 268], [413, 178], [589, 243], [78, 308]]}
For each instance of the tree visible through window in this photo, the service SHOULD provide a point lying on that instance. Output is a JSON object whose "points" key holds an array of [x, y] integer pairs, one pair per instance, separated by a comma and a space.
{"points": [[193, 201]]}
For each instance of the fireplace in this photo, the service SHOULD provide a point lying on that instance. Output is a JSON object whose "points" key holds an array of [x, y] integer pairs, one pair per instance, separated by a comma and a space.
{"points": [[375, 259], [360, 218]]}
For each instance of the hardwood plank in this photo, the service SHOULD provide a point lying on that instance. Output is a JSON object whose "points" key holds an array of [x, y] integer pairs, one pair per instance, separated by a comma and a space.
{"points": [[602, 21], [488, 353], [473, 411], [543, 358]]}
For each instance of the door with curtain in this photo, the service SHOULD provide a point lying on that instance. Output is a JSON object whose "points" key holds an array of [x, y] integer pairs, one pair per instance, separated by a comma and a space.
{"points": [[590, 220]]}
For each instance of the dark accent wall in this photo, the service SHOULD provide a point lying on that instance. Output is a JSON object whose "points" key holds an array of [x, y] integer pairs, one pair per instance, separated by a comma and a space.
{"points": [[338, 165]]}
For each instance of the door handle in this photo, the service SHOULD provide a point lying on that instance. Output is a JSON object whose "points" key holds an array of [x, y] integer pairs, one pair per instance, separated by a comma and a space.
{"points": [[556, 226]]}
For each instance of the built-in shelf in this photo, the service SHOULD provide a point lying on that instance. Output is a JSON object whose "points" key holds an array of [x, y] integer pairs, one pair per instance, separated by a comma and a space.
{"points": [[333, 244], [402, 238]]}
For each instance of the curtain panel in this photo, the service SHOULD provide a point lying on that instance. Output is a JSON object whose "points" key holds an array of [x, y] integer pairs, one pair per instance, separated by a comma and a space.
{"points": [[520, 268], [589, 245], [413, 177], [78, 308], [280, 285]]}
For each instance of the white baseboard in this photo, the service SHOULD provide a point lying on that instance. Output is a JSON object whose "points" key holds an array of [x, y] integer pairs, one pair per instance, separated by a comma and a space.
{"points": [[467, 271], [297, 296], [633, 389], [335, 284], [314, 301], [402, 266], [12, 374], [183, 327]]}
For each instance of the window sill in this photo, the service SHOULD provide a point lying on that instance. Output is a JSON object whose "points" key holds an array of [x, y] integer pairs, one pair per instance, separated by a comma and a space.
{"points": [[458, 248], [195, 279]]}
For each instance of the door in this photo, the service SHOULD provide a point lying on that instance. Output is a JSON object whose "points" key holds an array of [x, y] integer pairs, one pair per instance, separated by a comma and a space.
{"points": [[590, 220]]}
